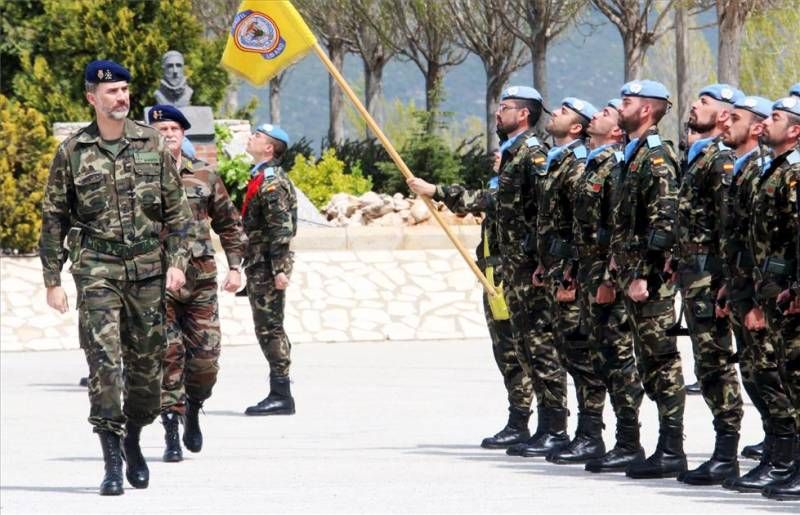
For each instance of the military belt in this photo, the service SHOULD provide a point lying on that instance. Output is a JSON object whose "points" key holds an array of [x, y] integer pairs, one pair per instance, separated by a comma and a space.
{"points": [[119, 249]]}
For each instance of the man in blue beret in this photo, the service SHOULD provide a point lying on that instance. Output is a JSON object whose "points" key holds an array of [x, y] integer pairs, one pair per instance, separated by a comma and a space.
{"points": [[516, 209], [698, 271], [795, 90], [757, 360], [112, 188], [269, 214], [555, 275], [774, 233], [191, 363], [643, 225]]}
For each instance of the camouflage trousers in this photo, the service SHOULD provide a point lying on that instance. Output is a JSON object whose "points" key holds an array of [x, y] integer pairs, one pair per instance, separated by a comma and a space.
{"points": [[121, 326], [572, 342], [713, 349], [758, 364], [784, 331], [532, 326], [611, 347], [517, 382], [657, 356], [267, 304], [193, 338]]}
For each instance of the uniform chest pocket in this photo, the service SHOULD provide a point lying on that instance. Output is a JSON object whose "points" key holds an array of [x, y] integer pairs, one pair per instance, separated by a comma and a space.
{"points": [[90, 187], [148, 189]]}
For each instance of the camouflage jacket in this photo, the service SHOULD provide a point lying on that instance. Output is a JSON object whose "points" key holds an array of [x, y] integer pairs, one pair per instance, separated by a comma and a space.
{"points": [[734, 245], [521, 167], [596, 194], [112, 210], [212, 208], [701, 202], [644, 219], [556, 200], [460, 200], [270, 220], [774, 220]]}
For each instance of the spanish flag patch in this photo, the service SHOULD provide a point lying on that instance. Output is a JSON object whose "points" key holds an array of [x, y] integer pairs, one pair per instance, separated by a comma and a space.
{"points": [[658, 161], [727, 167]]}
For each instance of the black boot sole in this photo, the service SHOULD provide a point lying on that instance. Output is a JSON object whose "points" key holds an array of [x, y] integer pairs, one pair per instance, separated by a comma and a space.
{"points": [[751, 456], [172, 458], [117, 490], [141, 485], [495, 446], [605, 469], [271, 412], [704, 481], [571, 461]]}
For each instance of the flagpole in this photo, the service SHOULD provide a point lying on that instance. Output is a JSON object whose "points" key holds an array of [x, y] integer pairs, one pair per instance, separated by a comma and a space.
{"points": [[373, 125]]}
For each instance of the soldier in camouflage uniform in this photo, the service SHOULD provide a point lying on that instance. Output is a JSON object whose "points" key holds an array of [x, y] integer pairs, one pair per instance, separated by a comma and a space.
{"points": [[521, 165], [773, 238], [643, 227], [555, 274], [193, 331], [111, 189], [699, 276], [757, 360], [269, 214], [517, 382], [610, 339]]}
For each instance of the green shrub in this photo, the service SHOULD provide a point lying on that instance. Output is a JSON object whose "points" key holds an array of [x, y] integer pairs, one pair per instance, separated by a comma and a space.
{"points": [[234, 171], [26, 151], [320, 180]]}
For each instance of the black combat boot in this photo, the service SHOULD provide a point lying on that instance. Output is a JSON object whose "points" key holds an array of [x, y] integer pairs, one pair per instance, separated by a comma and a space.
{"points": [[694, 388], [516, 430], [172, 452], [587, 444], [722, 465], [775, 467], [84, 381], [278, 402], [668, 460], [554, 439], [788, 490], [192, 436], [754, 452], [626, 451], [542, 422], [112, 456], [135, 467]]}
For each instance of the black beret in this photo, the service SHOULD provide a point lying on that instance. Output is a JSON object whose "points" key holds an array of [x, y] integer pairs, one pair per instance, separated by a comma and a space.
{"points": [[163, 112], [106, 71]]}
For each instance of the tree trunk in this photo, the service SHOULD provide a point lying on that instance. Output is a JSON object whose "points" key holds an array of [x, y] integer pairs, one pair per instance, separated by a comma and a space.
{"points": [[232, 97], [682, 63], [275, 100], [373, 90], [494, 87], [433, 83], [539, 59], [634, 56], [335, 96], [731, 30]]}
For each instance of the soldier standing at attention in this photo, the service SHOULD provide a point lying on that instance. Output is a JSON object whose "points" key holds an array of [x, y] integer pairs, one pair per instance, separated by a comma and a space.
{"points": [[517, 382], [774, 239], [555, 275], [610, 340], [701, 202], [110, 189], [643, 228], [757, 359], [193, 330], [521, 167], [269, 215]]}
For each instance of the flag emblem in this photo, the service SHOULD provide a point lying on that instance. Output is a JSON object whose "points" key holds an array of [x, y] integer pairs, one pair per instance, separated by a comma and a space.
{"points": [[256, 32]]}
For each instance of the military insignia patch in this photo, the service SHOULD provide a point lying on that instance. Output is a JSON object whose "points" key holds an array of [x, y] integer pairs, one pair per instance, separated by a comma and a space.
{"points": [[99, 74], [597, 187], [256, 32], [657, 161]]}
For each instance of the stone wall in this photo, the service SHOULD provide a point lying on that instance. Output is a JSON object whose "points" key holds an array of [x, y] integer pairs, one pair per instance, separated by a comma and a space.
{"points": [[349, 284]]}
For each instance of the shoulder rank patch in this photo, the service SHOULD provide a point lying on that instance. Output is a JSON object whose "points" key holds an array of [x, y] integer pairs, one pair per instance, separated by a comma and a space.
{"points": [[653, 141], [269, 172], [793, 158], [147, 157], [533, 141], [580, 152], [620, 156]]}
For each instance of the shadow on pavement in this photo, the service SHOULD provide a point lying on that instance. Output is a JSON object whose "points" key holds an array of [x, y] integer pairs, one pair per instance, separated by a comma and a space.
{"points": [[225, 413], [56, 489]]}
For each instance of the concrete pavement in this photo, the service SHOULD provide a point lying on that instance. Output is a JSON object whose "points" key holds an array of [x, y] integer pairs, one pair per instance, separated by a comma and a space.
{"points": [[380, 427]]}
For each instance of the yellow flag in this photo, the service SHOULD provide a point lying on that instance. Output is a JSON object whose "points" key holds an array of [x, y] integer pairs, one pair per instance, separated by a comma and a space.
{"points": [[266, 37]]}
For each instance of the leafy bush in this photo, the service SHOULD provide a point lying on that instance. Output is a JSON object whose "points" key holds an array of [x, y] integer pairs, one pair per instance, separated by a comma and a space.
{"points": [[234, 171], [320, 180], [26, 151]]}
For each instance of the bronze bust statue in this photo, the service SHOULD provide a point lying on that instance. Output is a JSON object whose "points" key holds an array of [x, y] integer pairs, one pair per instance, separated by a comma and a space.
{"points": [[173, 89]]}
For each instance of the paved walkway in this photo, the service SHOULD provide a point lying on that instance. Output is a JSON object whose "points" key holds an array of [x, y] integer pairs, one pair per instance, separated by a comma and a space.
{"points": [[381, 427]]}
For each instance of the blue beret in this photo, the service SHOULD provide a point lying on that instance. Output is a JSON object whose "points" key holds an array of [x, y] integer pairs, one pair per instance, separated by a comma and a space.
{"points": [[723, 93], [795, 90], [646, 89], [616, 103], [273, 131], [106, 71], [582, 107], [163, 112], [521, 93], [788, 104], [759, 106]]}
